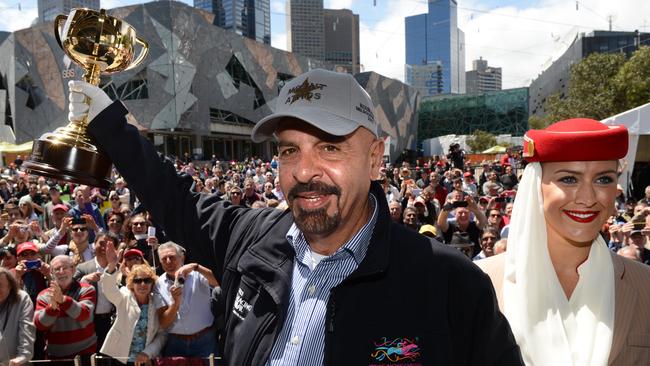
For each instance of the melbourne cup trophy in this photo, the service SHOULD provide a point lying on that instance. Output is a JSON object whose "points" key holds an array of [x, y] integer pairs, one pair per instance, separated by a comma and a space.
{"points": [[101, 45]]}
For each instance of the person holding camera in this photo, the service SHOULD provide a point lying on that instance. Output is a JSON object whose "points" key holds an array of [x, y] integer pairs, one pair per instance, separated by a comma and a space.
{"points": [[185, 311], [32, 273], [462, 209], [19, 232], [79, 247]]}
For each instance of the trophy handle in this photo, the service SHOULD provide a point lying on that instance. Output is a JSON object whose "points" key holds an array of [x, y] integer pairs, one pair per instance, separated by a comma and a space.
{"points": [[57, 21], [143, 53]]}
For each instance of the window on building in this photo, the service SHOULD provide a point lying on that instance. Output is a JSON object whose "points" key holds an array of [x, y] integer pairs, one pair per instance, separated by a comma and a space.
{"points": [[239, 75], [135, 88]]}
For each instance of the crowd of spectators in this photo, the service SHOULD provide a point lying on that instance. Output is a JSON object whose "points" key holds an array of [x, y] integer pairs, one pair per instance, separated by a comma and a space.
{"points": [[87, 270]]}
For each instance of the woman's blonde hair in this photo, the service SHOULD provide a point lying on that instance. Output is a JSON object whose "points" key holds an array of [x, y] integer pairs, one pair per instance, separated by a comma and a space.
{"points": [[140, 269]]}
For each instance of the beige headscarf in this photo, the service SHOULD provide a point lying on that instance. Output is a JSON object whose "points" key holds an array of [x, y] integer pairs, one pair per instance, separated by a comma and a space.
{"points": [[550, 329]]}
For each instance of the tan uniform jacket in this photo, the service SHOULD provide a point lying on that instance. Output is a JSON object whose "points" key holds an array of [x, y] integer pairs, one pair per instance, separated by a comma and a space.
{"points": [[631, 340]]}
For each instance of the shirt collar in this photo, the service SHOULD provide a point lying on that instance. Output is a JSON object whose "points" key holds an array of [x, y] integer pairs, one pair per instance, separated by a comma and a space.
{"points": [[357, 246]]}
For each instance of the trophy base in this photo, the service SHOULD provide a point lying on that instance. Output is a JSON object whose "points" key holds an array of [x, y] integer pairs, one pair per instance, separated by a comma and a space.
{"points": [[69, 163]]}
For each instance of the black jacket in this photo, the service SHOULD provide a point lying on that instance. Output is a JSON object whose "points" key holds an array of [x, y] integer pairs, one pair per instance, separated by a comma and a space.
{"points": [[408, 289]]}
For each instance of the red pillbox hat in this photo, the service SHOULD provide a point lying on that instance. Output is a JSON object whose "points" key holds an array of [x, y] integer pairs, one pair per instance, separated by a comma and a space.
{"points": [[578, 139]]}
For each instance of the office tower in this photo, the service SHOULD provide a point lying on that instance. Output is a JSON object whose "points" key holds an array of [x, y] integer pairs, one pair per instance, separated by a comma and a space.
{"points": [[483, 78], [249, 18], [435, 39], [305, 29], [342, 39]]}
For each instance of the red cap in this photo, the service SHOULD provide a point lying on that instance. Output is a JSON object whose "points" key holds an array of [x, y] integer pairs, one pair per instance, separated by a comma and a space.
{"points": [[578, 139], [60, 206], [28, 245], [467, 174], [133, 253]]}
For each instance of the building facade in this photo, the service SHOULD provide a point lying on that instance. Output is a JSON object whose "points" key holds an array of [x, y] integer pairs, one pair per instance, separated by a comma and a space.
{"points": [[200, 90], [483, 78], [305, 28], [498, 112], [555, 79], [434, 38], [49, 9], [342, 39], [249, 18]]}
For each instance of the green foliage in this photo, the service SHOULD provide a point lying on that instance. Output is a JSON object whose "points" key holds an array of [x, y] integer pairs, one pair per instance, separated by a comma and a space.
{"points": [[536, 122], [481, 140], [601, 85]]}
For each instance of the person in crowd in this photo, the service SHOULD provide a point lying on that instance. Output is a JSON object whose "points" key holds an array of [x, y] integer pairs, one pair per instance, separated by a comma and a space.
{"points": [[440, 192], [268, 192], [463, 243], [21, 189], [501, 246], [5, 191], [123, 192], [508, 179], [19, 232], [90, 272], [59, 212], [115, 221], [31, 271], [235, 195], [136, 236], [84, 206], [569, 299], [185, 311], [79, 247], [492, 184], [489, 238], [645, 199], [116, 205], [494, 219], [16, 314], [463, 223], [392, 193], [64, 311], [37, 200], [411, 218], [26, 207], [131, 257], [8, 257], [136, 336], [429, 230], [55, 201], [328, 254], [395, 211], [250, 194], [277, 190], [638, 239], [469, 186], [630, 252]]}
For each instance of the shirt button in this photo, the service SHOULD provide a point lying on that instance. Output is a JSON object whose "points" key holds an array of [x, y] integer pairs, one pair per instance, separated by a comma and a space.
{"points": [[295, 340], [311, 290]]}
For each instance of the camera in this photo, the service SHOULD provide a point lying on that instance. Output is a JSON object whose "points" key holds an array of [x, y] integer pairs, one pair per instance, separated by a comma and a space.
{"points": [[179, 282], [33, 264], [460, 204], [500, 199]]}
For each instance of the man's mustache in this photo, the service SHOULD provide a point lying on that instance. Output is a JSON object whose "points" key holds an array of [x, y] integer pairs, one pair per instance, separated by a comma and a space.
{"points": [[319, 188]]}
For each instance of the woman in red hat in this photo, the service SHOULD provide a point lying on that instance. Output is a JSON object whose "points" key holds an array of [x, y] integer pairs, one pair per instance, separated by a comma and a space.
{"points": [[569, 300]]}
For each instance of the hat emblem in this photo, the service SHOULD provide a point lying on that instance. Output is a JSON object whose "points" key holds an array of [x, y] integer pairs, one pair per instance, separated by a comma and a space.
{"points": [[304, 91], [529, 147]]}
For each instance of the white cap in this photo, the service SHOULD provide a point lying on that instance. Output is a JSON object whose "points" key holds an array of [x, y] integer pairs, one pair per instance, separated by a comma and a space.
{"points": [[332, 102]]}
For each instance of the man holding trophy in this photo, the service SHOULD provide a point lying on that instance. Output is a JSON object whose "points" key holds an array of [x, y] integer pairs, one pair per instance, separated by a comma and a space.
{"points": [[329, 281]]}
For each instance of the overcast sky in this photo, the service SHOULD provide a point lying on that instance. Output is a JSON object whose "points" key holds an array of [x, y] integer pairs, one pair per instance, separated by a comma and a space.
{"points": [[522, 37]]}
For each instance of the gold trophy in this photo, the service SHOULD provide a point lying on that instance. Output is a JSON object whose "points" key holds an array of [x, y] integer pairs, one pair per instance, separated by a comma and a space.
{"points": [[100, 44]]}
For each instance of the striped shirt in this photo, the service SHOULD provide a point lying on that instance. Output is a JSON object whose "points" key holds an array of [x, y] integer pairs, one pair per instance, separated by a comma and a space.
{"points": [[302, 338], [69, 329]]}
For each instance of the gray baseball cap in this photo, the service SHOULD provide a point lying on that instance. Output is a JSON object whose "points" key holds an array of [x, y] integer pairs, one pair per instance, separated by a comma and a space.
{"points": [[332, 102]]}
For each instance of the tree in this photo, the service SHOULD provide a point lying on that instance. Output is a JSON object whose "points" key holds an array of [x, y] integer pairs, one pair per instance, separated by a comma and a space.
{"points": [[633, 80], [481, 140]]}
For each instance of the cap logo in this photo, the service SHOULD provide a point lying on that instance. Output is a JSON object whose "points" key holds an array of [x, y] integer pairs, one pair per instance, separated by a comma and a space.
{"points": [[304, 91], [362, 108], [529, 147]]}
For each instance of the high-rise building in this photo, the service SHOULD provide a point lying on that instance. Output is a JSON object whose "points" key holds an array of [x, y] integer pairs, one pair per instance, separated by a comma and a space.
{"points": [[427, 79], [305, 29], [342, 39], [555, 79], [249, 18], [482, 78], [434, 38], [49, 9]]}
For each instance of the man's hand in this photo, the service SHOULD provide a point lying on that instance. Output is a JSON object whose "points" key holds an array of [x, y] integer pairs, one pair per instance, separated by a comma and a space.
{"points": [[177, 294], [36, 228], [90, 222], [80, 108], [45, 270], [91, 277], [186, 270], [20, 269], [142, 359], [66, 223], [627, 228], [153, 243]]}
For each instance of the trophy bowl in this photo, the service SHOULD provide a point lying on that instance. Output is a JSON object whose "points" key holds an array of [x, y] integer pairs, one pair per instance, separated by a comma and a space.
{"points": [[100, 44]]}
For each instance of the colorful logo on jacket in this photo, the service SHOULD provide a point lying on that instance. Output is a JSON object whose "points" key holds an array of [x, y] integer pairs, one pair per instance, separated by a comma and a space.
{"points": [[402, 350]]}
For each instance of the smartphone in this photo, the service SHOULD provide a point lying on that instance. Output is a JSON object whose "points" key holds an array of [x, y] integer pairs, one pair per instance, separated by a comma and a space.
{"points": [[460, 204], [500, 199], [33, 264], [151, 231]]}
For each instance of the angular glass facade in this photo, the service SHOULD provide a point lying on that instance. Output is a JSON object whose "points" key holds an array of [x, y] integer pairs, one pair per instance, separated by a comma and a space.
{"points": [[499, 112], [249, 18], [434, 38]]}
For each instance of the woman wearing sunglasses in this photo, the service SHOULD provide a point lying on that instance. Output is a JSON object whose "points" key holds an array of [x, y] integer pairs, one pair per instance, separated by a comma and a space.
{"points": [[136, 336]]}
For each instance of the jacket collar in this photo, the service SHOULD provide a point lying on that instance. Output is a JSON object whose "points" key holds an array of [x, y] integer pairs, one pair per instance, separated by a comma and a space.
{"points": [[270, 259]]}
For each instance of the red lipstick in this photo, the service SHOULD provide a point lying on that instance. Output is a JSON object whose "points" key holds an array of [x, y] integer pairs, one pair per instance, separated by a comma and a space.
{"points": [[582, 216]]}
